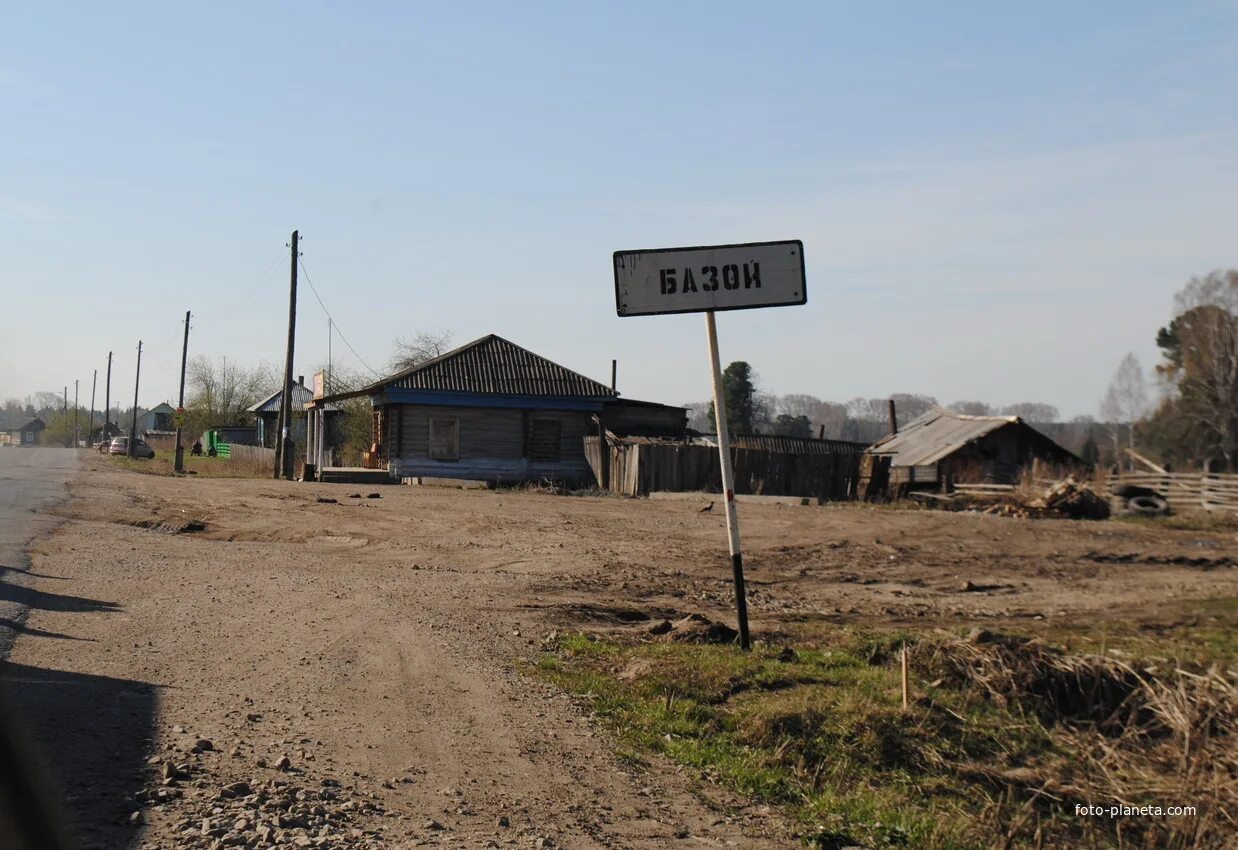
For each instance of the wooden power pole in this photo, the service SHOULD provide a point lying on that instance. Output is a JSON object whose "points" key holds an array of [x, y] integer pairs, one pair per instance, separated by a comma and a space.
{"points": [[107, 398], [76, 408], [94, 383], [137, 377], [179, 458], [284, 447]]}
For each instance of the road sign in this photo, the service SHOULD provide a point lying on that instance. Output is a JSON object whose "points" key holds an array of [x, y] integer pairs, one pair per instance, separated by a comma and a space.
{"points": [[709, 277], [703, 280]]}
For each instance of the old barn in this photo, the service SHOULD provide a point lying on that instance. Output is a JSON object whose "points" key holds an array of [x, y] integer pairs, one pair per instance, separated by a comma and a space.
{"points": [[492, 411], [941, 446]]}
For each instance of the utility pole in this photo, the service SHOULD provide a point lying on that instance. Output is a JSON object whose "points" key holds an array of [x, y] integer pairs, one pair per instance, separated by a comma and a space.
{"points": [[137, 377], [326, 384], [76, 408], [65, 413], [90, 435], [284, 451], [107, 398], [179, 462]]}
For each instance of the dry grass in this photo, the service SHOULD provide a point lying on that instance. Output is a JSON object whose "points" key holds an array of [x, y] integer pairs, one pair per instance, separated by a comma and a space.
{"points": [[1130, 735], [1004, 738], [205, 467]]}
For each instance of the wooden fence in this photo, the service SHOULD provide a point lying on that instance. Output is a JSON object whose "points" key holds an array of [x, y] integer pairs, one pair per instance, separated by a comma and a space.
{"points": [[638, 468], [237, 451], [1186, 490]]}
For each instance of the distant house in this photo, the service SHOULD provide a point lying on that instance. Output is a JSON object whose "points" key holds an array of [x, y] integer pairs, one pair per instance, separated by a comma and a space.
{"points": [[492, 411], [266, 414], [29, 433], [159, 419], [941, 446], [105, 432]]}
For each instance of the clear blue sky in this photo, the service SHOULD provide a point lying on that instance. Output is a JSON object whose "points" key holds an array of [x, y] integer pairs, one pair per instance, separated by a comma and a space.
{"points": [[996, 203]]}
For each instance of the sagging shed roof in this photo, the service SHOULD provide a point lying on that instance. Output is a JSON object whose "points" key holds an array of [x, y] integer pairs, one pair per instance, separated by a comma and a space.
{"points": [[491, 365], [938, 434], [301, 396]]}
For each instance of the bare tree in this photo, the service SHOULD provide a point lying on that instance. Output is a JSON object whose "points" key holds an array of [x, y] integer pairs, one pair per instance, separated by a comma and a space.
{"points": [[910, 405], [830, 414], [972, 408], [1032, 411], [1125, 401], [221, 392], [698, 416], [417, 349]]}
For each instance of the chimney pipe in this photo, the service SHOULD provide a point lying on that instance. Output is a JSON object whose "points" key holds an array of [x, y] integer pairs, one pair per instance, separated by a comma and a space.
{"points": [[893, 418], [301, 380], [614, 372]]}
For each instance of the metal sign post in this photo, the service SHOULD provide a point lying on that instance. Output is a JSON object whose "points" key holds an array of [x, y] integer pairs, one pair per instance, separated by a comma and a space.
{"points": [[728, 482], [703, 280]]}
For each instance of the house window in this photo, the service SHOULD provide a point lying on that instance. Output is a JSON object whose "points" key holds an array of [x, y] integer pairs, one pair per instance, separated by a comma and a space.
{"points": [[544, 440], [444, 439]]}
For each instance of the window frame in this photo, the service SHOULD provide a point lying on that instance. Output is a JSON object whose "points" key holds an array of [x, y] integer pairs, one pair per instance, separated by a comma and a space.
{"points": [[433, 425], [558, 445]]}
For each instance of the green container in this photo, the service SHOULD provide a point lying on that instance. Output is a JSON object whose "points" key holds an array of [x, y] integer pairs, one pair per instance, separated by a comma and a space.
{"points": [[221, 448]]}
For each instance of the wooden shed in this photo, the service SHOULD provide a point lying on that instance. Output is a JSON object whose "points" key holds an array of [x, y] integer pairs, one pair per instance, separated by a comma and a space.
{"points": [[941, 446], [492, 411]]}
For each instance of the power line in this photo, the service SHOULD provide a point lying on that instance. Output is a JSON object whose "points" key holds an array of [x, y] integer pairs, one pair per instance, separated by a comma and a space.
{"points": [[257, 287], [334, 322]]}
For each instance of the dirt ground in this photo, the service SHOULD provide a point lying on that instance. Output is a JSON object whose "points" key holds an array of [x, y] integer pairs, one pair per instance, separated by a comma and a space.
{"points": [[382, 645]]}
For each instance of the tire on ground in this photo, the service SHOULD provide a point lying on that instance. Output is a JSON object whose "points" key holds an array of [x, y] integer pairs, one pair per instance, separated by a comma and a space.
{"points": [[1148, 506], [1128, 491]]}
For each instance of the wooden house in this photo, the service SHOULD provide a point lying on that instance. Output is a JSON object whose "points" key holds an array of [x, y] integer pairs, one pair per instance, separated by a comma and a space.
{"points": [[266, 414], [27, 434], [942, 446], [491, 411]]}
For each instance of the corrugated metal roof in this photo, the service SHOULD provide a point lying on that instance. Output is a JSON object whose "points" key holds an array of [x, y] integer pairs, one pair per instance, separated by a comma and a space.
{"points": [[495, 365], [935, 435], [789, 445], [301, 396]]}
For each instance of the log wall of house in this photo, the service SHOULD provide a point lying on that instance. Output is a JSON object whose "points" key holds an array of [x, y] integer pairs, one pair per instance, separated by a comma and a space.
{"points": [[494, 444]]}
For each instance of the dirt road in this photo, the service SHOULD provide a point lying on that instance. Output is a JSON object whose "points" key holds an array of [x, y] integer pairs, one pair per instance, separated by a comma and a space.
{"points": [[376, 645], [31, 480], [362, 664]]}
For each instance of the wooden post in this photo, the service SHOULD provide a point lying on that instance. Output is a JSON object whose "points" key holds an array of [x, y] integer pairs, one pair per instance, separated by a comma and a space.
{"points": [[906, 678], [284, 450], [137, 378], [107, 399], [90, 434], [178, 462], [728, 482]]}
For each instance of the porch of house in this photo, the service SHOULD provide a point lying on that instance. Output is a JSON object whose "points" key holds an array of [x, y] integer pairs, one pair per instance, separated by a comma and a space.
{"points": [[355, 475]]}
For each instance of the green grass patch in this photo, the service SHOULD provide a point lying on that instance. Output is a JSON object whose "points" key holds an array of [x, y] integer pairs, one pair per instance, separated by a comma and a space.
{"points": [[203, 466], [821, 732], [1197, 632]]}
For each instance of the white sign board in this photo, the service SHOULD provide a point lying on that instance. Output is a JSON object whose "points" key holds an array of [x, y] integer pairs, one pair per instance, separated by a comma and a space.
{"points": [[711, 277]]}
